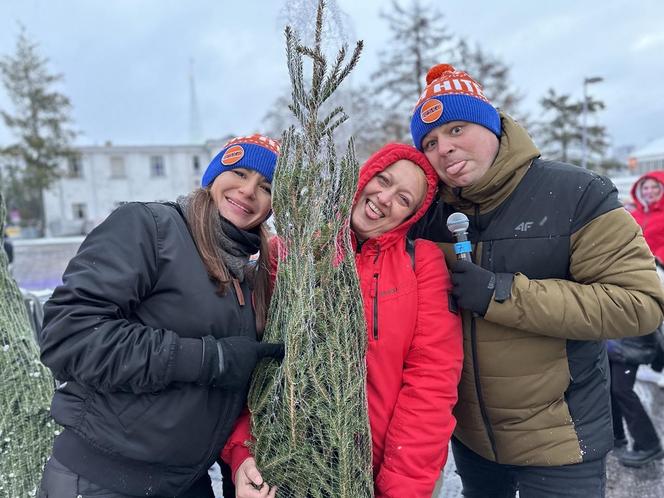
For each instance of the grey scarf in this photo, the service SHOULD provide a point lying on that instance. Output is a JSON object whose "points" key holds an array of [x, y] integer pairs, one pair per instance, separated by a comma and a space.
{"points": [[235, 245]]}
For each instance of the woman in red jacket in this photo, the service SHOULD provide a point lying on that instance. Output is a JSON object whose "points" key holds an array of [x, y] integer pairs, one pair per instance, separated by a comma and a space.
{"points": [[414, 351], [627, 355], [649, 211]]}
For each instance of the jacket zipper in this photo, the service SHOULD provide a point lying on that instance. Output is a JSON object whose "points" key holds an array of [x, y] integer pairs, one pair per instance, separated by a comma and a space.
{"points": [[478, 385], [375, 297], [375, 308], [212, 454], [473, 346]]}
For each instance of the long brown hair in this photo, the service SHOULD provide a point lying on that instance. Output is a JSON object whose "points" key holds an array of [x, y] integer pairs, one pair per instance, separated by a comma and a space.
{"points": [[201, 217]]}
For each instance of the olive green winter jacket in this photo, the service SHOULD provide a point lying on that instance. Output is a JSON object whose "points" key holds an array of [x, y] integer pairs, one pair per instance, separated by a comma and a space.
{"points": [[535, 382]]}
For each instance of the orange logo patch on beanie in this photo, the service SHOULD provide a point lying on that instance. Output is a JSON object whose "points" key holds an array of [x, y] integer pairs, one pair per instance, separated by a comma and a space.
{"points": [[431, 111], [232, 155]]}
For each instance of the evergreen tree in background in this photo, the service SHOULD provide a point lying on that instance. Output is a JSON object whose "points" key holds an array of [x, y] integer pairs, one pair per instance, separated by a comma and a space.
{"points": [[381, 110], [419, 40], [309, 414], [561, 135], [493, 75], [562, 130], [26, 429], [40, 122]]}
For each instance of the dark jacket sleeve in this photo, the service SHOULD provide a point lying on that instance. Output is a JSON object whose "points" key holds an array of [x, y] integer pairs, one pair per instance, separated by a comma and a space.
{"points": [[89, 335], [640, 350]]}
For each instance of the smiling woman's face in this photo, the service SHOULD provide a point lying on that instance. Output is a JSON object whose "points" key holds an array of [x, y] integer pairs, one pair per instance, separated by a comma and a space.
{"points": [[243, 196], [651, 191], [388, 199]]}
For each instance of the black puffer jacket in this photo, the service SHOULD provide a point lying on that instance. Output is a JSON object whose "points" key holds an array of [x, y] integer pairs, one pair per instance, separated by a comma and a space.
{"points": [[124, 333]]}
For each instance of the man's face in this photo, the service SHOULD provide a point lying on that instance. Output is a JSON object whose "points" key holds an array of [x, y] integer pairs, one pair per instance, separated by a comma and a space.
{"points": [[460, 152]]}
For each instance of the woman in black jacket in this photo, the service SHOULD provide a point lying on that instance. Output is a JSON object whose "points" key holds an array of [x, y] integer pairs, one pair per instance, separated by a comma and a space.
{"points": [[153, 335]]}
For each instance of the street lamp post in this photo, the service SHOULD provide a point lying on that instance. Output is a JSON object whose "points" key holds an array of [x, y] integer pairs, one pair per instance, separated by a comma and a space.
{"points": [[584, 112]]}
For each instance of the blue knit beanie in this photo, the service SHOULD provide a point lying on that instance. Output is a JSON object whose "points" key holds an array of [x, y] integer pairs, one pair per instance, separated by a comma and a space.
{"points": [[451, 95], [255, 152]]}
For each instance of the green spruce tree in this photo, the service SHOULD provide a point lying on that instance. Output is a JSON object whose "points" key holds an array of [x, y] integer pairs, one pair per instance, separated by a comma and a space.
{"points": [[494, 76], [26, 429], [40, 121], [561, 130], [419, 39], [309, 414]]}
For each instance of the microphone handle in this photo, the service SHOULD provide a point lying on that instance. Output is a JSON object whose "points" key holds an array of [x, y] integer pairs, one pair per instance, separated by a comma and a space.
{"points": [[464, 256], [462, 247]]}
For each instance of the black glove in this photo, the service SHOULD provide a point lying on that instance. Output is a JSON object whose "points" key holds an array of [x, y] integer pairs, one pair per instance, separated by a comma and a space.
{"points": [[238, 357], [473, 286]]}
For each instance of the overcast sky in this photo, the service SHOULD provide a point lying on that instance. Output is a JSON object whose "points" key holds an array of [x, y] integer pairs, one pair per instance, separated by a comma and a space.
{"points": [[126, 62]]}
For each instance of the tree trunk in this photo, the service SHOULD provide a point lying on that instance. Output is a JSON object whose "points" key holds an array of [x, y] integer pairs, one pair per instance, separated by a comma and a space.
{"points": [[42, 214], [26, 429]]}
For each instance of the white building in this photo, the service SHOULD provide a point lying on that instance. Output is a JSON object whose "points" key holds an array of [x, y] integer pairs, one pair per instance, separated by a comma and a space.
{"points": [[624, 185], [648, 158], [103, 177]]}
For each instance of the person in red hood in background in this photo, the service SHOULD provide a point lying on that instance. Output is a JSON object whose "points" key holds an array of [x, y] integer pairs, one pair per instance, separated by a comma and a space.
{"points": [[649, 211], [414, 353], [627, 355]]}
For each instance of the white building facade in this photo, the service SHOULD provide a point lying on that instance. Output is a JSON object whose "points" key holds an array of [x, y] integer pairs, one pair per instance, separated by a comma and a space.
{"points": [[104, 177], [648, 158]]}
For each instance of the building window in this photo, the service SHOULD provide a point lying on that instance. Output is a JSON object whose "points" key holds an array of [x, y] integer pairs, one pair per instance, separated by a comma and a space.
{"points": [[79, 211], [118, 167], [196, 164], [74, 167], [157, 167]]}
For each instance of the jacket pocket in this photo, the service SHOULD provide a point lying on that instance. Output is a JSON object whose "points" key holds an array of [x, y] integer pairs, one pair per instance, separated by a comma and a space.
{"points": [[69, 404]]}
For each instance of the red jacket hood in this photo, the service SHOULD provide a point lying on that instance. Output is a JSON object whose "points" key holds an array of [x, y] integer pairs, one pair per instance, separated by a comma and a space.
{"points": [[636, 192], [381, 160]]}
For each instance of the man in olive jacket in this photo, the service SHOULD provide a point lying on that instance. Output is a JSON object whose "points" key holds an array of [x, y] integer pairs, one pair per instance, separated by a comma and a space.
{"points": [[558, 267]]}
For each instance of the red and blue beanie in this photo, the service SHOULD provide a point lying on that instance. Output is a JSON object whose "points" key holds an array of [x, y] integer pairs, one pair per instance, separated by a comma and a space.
{"points": [[255, 152], [451, 95]]}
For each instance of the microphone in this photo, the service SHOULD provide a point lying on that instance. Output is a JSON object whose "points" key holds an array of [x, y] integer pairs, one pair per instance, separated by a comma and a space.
{"points": [[458, 223]]}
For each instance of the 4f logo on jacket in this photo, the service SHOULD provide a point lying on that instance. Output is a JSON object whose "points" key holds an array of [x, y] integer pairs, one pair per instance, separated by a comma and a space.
{"points": [[524, 226]]}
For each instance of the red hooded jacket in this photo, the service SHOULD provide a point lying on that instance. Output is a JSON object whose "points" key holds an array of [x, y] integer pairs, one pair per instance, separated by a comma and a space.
{"points": [[414, 354], [651, 217]]}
